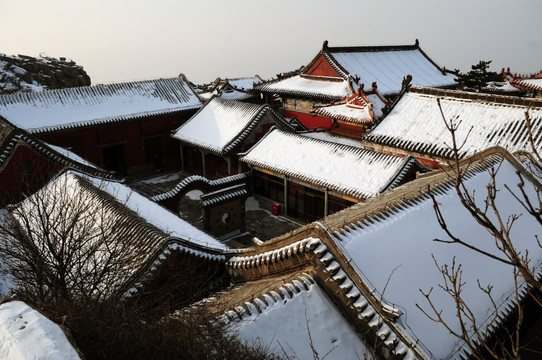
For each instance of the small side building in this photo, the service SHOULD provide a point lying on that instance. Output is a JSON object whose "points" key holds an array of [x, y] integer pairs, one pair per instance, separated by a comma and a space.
{"points": [[311, 178], [212, 138]]}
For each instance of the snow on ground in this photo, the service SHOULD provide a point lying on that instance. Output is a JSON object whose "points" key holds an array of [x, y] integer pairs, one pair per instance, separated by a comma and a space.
{"points": [[194, 194], [251, 204], [162, 179], [27, 334], [283, 325]]}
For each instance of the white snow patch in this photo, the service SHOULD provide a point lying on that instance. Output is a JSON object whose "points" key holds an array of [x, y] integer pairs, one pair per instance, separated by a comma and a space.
{"points": [[283, 325], [251, 204], [27, 334], [194, 194], [162, 179]]}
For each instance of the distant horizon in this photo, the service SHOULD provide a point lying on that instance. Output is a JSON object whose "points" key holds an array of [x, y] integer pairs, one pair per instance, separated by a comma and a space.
{"points": [[125, 40]]}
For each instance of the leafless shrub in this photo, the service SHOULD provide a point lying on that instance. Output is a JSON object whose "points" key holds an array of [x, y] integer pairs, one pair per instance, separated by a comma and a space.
{"points": [[69, 250]]}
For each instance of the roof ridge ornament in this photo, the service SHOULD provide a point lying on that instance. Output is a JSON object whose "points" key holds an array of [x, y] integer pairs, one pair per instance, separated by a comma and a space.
{"points": [[325, 45], [406, 82]]}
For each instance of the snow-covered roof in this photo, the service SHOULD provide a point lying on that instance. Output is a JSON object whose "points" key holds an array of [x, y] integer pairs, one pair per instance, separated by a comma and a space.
{"points": [[415, 122], [129, 215], [387, 66], [188, 183], [326, 89], [347, 112], [393, 249], [27, 334], [283, 322], [501, 87], [230, 89], [533, 84], [226, 94], [245, 83], [230, 94], [221, 124], [360, 108], [156, 215], [71, 155], [311, 249], [352, 171], [334, 138], [384, 65], [52, 110]]}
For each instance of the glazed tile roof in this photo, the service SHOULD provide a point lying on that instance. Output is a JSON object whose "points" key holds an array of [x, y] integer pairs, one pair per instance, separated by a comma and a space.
{"points": [[187, 182], [230, 89], [384, 65], [334, 138], [357, 109], [347, 112], [228, 95], [415, 122], [533, 84], [330, 89], [337, 277], [157, 216], [356, 172], [245, 83], [286, 308], [392, 246], [388, 68], [501, 87], [221, 124], [51, 110]]}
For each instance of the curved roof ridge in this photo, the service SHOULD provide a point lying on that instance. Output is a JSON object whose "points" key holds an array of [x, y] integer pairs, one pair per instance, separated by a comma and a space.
{"points": [[366, 48], [468, 95]]}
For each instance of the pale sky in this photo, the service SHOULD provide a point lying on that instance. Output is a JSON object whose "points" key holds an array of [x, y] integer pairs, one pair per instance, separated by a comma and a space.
{"points": [[126, 40]]}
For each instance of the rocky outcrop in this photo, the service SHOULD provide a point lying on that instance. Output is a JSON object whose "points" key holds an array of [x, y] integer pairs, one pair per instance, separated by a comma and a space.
{"points": [[26, 73]]}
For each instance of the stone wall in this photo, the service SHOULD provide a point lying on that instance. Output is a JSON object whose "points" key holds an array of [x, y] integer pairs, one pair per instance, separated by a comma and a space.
{"points": [[26, 73]]}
